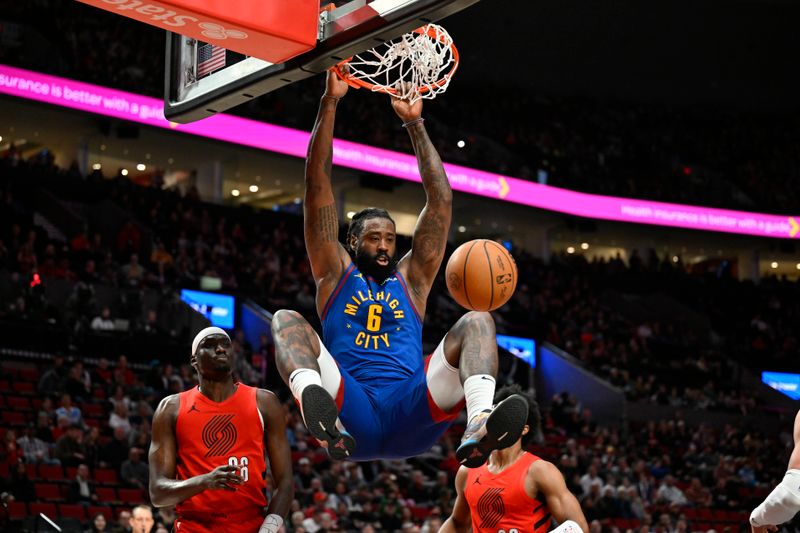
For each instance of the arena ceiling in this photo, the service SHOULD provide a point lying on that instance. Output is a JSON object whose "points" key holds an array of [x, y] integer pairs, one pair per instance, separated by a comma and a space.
{"points": [[741, 52]]}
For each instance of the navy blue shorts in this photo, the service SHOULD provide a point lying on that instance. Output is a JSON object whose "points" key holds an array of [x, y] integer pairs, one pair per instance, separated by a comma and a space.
{"points": [[392, 419]]}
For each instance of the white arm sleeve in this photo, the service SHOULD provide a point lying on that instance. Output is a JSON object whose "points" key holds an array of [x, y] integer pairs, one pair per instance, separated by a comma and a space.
{"points": [[272, 524], [568, 527], [781, 504]]}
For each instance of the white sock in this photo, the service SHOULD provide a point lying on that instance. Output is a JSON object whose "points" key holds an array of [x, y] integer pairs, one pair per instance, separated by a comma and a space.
{"points": [[479, 393], [300, 379]]}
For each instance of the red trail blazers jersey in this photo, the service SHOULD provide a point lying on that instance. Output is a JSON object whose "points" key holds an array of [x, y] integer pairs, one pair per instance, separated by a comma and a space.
{"points": [[498, 502], [211, 434]]}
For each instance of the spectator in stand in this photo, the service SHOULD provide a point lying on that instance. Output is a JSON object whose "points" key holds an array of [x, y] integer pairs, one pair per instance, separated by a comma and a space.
{"points": [[115, 452], [78, 384], [53, 379], [34, 450], [133, 274], [98, 524], [103, 321], [419, 491], [697, 495], [591, 478], [19, 484], [69, 411], [122, 374], [44, 428], [142, 519], [669, 493], [69, 447], [123, 522], [81, 488], [133, 472], [119, 418]]}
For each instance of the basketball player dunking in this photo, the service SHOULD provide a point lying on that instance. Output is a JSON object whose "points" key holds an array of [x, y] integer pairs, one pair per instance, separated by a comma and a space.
{"points": [[515, 490], [207, 452], [371, 372]]}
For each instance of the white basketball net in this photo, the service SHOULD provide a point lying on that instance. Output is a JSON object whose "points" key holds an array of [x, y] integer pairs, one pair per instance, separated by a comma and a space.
{"points": [[416, 65]]}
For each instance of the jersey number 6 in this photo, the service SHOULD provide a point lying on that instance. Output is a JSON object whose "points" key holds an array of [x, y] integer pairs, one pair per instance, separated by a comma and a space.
{"points": [[374, 317]]}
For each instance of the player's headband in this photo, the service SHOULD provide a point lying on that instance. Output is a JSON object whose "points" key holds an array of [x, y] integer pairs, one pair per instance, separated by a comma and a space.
{"points": [[213, 330]]}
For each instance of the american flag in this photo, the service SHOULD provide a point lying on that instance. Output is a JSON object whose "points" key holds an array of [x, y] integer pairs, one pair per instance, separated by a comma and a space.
{"points": [[209, 59]]}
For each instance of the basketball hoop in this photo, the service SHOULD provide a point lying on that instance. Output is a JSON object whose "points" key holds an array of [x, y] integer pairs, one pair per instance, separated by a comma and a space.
{"points": [[416, 65]]}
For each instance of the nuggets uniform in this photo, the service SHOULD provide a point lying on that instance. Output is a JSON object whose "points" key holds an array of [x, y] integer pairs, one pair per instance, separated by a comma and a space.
{"points": [[374, 333], [211, 434], [498, 502]]}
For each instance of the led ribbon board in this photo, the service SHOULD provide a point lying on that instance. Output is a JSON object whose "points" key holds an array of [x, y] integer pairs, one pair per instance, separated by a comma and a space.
{"points": [[150, 111], [788, 384]]}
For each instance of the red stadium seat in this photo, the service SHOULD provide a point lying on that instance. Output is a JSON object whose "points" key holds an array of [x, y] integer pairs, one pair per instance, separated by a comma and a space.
{"points": [[93, 510], [2, 401], [30, 469], [47, 492], [25, 387], [420, 513], [29, 374], [99, 393], [92, 410], [3, 470], [106, 476], [51, 472], [48, 509], [72, 511], [14, 418], [106, 494], [72, 471], [17, 510], [5, 386], [132, 496]]}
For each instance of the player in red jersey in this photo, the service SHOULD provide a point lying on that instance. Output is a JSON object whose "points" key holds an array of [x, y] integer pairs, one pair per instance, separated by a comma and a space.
{"points": [[515, 491], [207, 453]]}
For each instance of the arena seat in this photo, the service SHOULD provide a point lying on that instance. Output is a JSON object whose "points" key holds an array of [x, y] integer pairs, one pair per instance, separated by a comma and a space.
{"points": [[24, 387], [131, 496], [72, 511], [48, 509], [51, 472], [17, 510], [106, 494], [20, 403], [106, 476], [48, 492]]}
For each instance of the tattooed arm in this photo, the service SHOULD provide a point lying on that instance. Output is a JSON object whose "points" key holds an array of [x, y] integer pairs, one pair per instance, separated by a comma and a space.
{"points": [[422, 263], [320, 223]]}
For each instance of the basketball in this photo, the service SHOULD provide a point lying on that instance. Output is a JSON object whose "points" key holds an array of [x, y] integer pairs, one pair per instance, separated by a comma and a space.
{"points": [[481, 275]]}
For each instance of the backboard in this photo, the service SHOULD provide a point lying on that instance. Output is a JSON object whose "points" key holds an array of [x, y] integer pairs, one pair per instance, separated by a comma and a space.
{"points": [[203, 79]]}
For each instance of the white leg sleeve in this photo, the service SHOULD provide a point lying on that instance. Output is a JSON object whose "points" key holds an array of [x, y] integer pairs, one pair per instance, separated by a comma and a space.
{"points": [[328, 371], [568, 527], [782, 503], [444, 383]]}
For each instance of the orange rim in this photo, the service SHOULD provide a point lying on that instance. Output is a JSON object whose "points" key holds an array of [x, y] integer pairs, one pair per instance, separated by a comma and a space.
{"points": [[358, 83]]}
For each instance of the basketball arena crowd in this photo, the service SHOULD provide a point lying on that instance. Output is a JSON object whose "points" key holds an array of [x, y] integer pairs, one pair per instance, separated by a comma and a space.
{"points": [[93, 336]]}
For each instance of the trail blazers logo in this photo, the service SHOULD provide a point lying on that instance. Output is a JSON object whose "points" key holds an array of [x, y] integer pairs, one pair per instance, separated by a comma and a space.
{"points": [[491, 508], [219, 435]]}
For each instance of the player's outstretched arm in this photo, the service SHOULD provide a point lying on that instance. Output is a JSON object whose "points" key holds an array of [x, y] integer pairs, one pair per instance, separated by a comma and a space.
{"points": [[165, 490], [784, 501], [563, 505], [320, 222], [280, 460], [461, 519], [430, 235]]}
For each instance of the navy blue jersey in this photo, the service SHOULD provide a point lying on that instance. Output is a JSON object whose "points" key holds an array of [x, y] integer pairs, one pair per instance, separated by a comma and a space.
{"points": [[372, 329]]}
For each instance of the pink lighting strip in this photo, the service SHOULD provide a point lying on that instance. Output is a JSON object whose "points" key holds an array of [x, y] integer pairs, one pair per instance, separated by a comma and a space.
{"points": [[149, 111]]}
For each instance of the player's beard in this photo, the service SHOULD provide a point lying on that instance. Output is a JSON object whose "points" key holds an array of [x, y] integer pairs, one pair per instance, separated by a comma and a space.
{"points": [[367, 263]]}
